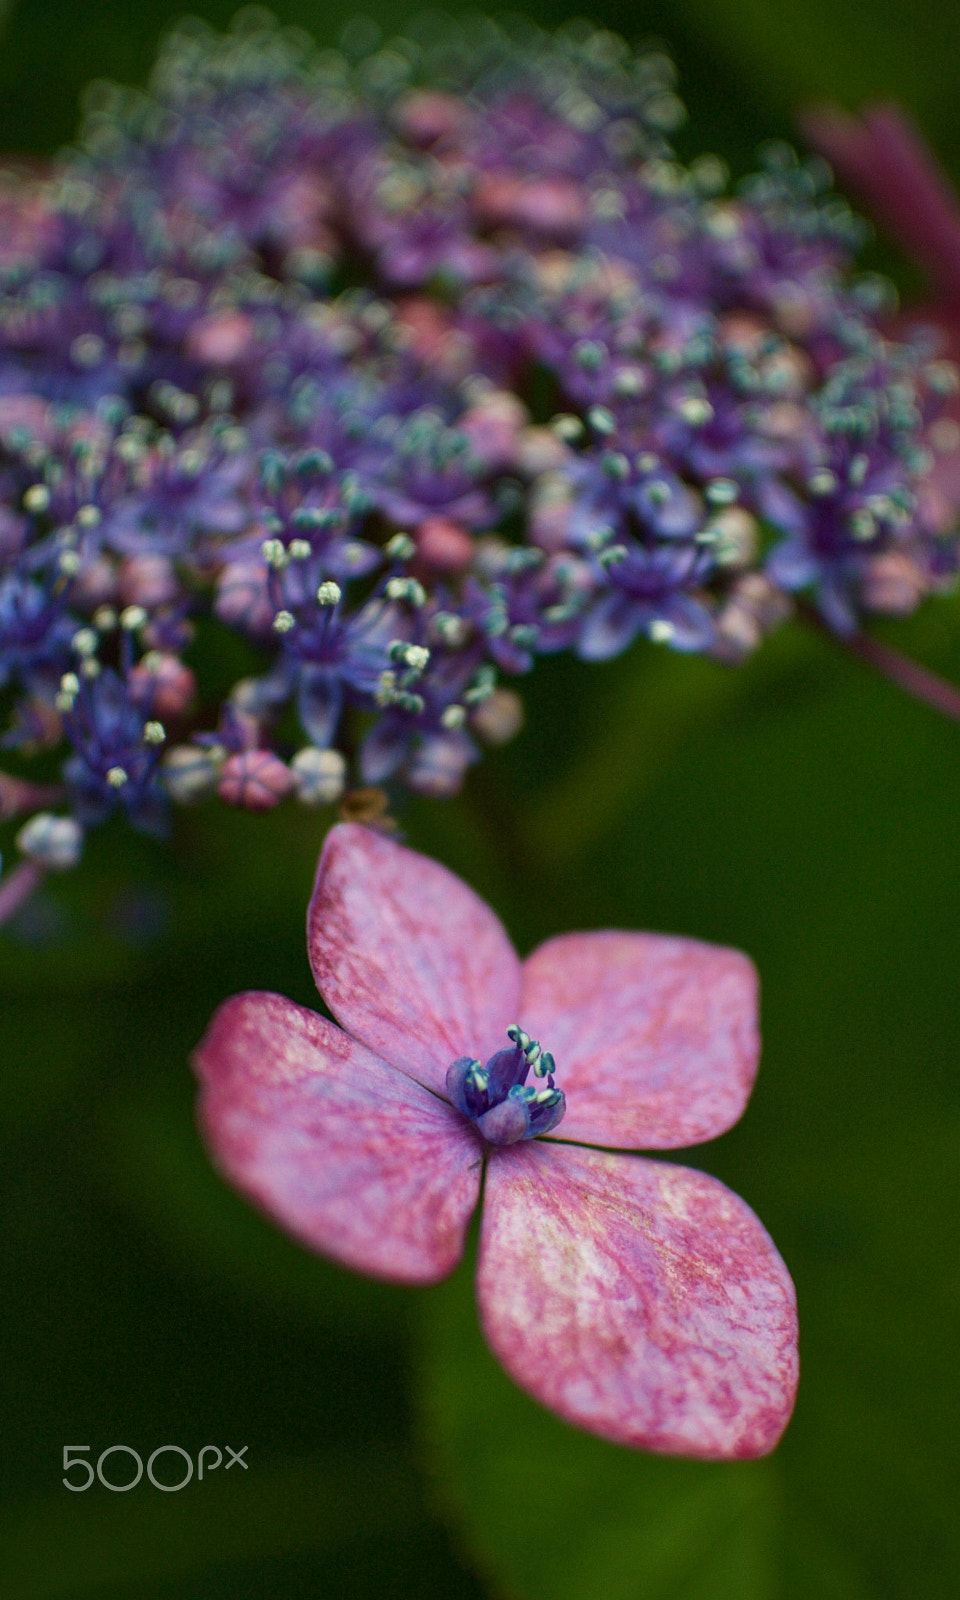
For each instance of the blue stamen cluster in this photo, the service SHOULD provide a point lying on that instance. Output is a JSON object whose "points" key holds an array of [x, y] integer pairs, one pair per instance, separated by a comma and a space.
{"points": [[409, 369], [497, 1098]]}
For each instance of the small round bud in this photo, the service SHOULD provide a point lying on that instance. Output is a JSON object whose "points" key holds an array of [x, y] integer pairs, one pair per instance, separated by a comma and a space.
{"points": [[568, 428], [154, 733], [69, 563], [105, 619], [444, 545], [661, 631], [162, 685], [453, 716], [274, 553], [37, 498], [117, 777], [90, 667], [602, 420], [329, 593], [499, 718], [722, 492], [88, 517], [132, 618], [438, 767], [85, 641], [191, 771], [407, 589], [400, 548], [70, 683], [695, 410], [319, 776], [449, 628], [148, 581], [255, 780], [284, 621], [300, 550], [53, 842]]}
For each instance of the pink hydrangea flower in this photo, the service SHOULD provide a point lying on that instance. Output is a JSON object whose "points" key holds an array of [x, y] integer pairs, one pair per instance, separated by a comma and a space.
{"points": [[640, 1300]]}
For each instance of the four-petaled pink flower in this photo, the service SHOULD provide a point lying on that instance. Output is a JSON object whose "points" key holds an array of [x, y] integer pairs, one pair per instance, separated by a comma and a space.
{"points": [[640, 1300]]}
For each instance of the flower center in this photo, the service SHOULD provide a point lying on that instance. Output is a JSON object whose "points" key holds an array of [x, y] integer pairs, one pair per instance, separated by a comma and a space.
{"points": [[497, 1098]]}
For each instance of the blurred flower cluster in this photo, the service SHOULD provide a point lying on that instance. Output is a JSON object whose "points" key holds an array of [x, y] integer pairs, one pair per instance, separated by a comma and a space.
{"points": [[409, 364]]}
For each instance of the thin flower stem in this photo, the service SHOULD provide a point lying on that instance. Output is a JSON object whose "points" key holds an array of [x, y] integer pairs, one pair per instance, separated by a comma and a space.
{"points": [[918, 681], [17, 886]]}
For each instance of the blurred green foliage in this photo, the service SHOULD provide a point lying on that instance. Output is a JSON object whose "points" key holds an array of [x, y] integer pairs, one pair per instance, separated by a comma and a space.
{"points": [[797, 808]]}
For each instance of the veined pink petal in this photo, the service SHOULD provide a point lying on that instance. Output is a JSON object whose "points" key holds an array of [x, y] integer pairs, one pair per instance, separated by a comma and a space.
{"points": [[655, 1038], [642, 1301], [407, 957], [340, 1148]]}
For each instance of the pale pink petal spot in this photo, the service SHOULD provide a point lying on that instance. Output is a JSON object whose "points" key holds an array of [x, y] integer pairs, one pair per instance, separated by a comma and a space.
{"points": [[340, 1148], [407, 957], [641, 1301], [655, 1038]]}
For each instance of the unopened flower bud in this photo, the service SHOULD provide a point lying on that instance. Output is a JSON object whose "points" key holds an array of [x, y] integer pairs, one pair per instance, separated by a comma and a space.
{"points": [[84, 641], [37, 498], [319, 776], [53, 842], [255, 780], [498, 718], [190, 772]]}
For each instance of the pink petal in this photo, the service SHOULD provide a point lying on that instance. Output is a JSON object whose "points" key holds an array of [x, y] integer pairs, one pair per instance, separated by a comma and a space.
{"points": [[407, 957], [655, 1038], [884, 158], [642, 1301], [340, 1148]]}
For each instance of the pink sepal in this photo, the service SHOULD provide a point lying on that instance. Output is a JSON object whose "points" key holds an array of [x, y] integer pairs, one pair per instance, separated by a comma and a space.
{"points": [[337, 1146], [639, 1300], [407, 957], [882, 155], [655, 1038]]}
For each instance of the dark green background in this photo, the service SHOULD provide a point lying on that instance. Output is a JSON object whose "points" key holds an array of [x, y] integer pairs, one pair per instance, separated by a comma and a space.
{"points": [[798, 808]]}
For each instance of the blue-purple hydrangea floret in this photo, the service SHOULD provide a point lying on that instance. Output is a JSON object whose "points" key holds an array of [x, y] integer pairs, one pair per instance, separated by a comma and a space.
{"points": [[409, 371]]}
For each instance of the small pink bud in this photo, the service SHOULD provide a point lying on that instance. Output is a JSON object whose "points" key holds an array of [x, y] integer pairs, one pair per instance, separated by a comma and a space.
{"points": [[443, 546], [555, 206], [255, 779], [243, 600], [493, 427], [148, 581], [162, 684], [429, 115], [219, 341], [95, 584], [499, 718], [893, 584]]}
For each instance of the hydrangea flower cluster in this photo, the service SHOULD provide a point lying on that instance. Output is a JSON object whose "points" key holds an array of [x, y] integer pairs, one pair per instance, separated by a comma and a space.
{"points": [[411, 368]]}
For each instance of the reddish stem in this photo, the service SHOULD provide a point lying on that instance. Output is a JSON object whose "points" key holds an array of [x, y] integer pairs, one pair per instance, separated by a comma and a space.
{"points": [[17, 886], [918, 681]]}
